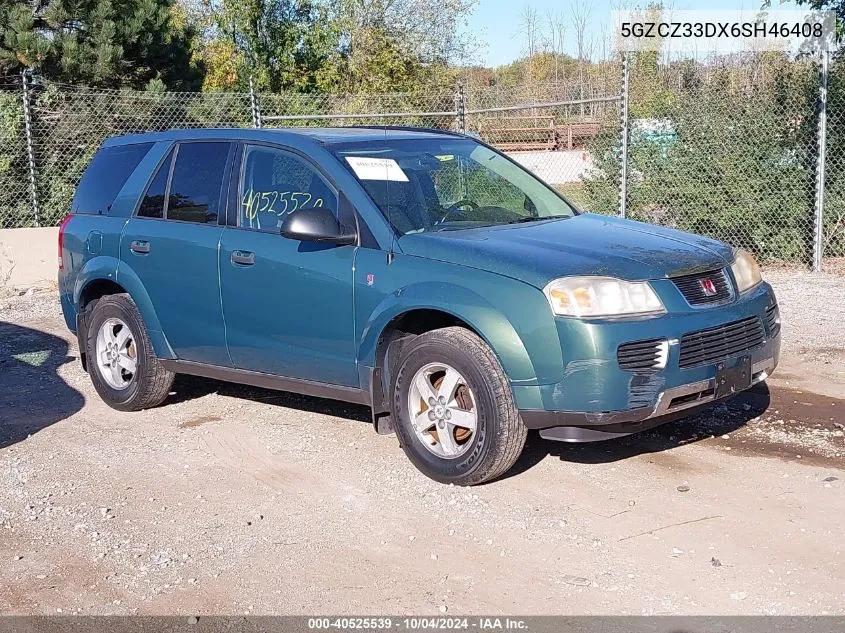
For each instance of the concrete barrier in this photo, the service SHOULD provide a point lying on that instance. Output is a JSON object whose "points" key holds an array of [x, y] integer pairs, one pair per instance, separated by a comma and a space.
{"points": [[28, 257]]}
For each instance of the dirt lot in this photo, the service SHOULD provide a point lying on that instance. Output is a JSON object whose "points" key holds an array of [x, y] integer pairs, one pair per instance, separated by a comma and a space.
{"points": [[237, 500]]}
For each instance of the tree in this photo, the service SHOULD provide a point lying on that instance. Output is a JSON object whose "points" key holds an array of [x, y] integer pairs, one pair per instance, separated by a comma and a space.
{"points": [[529, 27], [581, 13], [837, 6], [399, 45], [281, 44], [719, 156], [329, 45], [98, 42], [555, 35]]}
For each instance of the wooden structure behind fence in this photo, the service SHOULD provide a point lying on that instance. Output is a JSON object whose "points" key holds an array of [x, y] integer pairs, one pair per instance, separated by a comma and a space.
{"points": [[536, 133]]}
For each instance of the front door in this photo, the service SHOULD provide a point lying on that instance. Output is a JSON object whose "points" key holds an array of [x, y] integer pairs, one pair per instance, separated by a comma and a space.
{"points": [[287, 304], [171, 245]]}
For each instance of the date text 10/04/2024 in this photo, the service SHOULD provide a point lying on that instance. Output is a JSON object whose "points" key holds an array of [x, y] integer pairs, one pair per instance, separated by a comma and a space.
{"points": [[417, 623]]}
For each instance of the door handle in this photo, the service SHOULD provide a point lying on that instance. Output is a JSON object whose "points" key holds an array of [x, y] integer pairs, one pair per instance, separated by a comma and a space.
{"points": [[142, 247], [244, 258]]}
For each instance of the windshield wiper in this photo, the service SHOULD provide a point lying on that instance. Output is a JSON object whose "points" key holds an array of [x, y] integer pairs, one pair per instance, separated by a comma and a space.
{"points": [[532, 218]]}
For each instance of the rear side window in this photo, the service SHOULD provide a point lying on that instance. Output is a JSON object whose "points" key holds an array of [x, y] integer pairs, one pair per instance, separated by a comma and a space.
{"points": [[196, 188], [105, 177], [152, 206]]}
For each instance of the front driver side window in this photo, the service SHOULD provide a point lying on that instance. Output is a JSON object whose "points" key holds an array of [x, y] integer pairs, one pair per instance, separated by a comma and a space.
{"points": [[276, 183]]}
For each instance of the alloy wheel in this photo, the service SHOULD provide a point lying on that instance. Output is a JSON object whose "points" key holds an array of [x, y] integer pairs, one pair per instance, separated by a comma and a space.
{"points": [[117, 357], [443, 410]]}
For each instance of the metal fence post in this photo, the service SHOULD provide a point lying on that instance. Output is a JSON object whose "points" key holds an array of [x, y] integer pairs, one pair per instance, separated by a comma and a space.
{"points": [[460, 109], [456, 106], [821, 164], [623, 131], [26, 75], [254, 106], [462, 112]]}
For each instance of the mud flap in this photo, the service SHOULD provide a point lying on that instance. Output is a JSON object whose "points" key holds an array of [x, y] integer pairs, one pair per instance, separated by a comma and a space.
{"points": [[81, 335], [382, 422]]}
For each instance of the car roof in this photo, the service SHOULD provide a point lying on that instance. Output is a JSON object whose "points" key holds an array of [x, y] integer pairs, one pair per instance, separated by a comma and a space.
{"points": [[293, 135]]}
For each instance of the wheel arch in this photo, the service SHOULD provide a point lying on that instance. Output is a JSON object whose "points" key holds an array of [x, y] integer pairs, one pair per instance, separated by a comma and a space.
{"points": [[412, 312], [100, 280], [97, 288]]}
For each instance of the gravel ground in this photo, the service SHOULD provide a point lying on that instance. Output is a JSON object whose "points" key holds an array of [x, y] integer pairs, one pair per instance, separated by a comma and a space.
{"points": [[228, 499], [812, 307]]}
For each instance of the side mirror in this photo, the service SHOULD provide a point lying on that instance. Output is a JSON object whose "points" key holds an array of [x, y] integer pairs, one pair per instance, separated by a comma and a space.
{"points": [[316, 224]]}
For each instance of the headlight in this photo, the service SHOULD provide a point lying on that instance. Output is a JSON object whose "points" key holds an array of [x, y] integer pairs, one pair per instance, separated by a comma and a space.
{"points": [[601, 297], [746, 271]]}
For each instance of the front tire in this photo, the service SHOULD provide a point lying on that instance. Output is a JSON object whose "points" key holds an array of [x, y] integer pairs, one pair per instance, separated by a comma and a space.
{"points": [[121, 362], [456, 418]]}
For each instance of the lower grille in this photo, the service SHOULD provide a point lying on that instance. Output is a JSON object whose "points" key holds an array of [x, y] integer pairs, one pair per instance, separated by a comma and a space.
{"points": [[773, 320], [704, 288], [716, 343], [643, 356]]}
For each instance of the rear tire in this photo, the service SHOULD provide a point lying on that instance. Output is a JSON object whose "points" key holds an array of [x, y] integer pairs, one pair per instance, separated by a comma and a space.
{"points": [[450, 382], [121, 361]]}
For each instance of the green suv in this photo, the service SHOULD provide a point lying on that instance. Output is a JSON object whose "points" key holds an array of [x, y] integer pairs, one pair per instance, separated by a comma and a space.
{"points": [[419, 272]]}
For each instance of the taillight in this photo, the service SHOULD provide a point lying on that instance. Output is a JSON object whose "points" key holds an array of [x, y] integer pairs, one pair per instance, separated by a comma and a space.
{"points": [[62, 240]]}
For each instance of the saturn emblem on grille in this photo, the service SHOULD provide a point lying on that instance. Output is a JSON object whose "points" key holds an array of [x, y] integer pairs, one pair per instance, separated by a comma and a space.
{"points": [[707, 286]]}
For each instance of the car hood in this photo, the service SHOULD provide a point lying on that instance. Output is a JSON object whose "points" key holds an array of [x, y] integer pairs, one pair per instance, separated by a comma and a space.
{"points": [[586, 244]]}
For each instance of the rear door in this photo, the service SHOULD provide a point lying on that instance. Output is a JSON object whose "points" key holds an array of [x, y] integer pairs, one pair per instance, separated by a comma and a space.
{"points": [[171, 244], [288, 304]]}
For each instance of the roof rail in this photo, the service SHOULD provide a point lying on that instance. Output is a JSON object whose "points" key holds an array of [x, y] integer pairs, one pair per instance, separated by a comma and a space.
{"points": [[409, 128]]}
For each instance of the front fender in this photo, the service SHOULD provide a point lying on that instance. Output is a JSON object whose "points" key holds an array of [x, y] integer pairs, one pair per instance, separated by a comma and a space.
{"points": [[463, 304], [512, 318]]}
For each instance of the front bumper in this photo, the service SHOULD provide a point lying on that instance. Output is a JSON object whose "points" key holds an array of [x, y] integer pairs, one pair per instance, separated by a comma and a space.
{"points": [[569, 426], [599, 400]]}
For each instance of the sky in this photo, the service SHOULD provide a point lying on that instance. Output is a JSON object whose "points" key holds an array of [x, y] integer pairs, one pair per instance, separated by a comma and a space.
{"points": [[497, 22]]}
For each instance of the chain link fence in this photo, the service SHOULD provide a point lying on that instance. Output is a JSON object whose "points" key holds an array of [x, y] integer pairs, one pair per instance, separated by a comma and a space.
{"points": [[421, 110], [15, 201], [553, 140], [728, 148], [548, 138], [68, 124]]}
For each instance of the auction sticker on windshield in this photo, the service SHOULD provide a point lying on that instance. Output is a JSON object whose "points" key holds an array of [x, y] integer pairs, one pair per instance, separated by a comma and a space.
{"points": [[376, 168]]}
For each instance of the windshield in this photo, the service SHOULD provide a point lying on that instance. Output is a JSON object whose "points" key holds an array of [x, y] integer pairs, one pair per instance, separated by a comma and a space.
{"points": [[435, 184]]}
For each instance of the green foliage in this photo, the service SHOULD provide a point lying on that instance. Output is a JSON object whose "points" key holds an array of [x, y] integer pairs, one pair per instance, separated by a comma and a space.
{"points": [[15, 209], [837, 6], [283, 44], [378, 65], [539, 68], [650, 96], [68, 127], [97, 42], [327, 46], [395, 45]]}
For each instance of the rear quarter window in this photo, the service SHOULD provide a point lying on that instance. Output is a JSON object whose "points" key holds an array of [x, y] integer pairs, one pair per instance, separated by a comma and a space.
{"points": [[105, 177]]}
